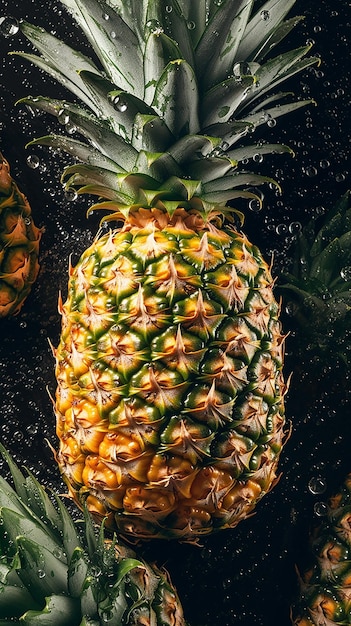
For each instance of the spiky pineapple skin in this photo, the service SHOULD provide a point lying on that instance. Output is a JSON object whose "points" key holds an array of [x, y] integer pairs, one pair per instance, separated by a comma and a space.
{"points": [[169, 403], [325, 585], [19, 244]]}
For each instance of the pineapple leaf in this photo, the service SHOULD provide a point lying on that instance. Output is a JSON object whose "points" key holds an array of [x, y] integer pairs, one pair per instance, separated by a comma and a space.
{"points": [[77, 572], [264, 22], [62, 59], [70, 539], [78, 149], [29, 527], [210, 168], [278, 35], [159, 51], [217, 39], [177, 28], [41, 572], [236, 180], [221, 197], [263, 116], [232, 20], [114, 43], [150, 133], [195, 15], [279, 69], [14, 597], [249, 152], [20, 495], [43, 65], [116, 106], [58, 610], [176, 98], [220, 102], [187, 147]]}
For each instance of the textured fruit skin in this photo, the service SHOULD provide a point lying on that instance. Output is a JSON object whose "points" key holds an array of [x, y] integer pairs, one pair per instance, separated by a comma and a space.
{"points": [[19, 245], [58, 571], [170, 392], [325, 584]]}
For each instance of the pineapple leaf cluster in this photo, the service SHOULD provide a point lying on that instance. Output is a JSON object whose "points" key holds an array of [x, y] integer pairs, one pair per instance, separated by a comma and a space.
{"points": [[318, 286], [169, 93], [57, 570]]}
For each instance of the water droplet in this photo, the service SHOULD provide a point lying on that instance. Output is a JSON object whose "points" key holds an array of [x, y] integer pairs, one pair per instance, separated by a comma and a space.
{"points": [[9, 26], [154, 26], [168, 8], [33, 161], [118, 103], [258, 158], [41, 573], [311, 171], [71, 194], [265, 15], [340, 177], [321, 509], [241, 69], [324, 163], [345, 273], [295, 227], [113, 34], [191, 25], [271, 123], [63, 117], [105, 17], [317, 485], [281, 229]]}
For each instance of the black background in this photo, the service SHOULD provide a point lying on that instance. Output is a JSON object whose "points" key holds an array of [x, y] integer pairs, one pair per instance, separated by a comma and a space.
{"points": [[245, 576]]}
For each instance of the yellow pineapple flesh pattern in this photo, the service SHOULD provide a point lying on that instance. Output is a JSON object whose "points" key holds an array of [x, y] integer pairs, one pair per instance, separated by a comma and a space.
{"points": [[170, 397]]}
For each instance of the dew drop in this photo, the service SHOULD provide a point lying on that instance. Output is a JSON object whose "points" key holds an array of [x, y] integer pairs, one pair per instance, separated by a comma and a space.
{"points": [[281, 229], [317, 485], [258, 158], [191, 25], [321, 509], [295, 228], [271, 122], [33, 161], [71, 194], [340, 177], [41, 573], [168, 8], [345, 273], [9, 26], [265, 15], [241, 69], [324, 163], [154, 27], [311, 171]]}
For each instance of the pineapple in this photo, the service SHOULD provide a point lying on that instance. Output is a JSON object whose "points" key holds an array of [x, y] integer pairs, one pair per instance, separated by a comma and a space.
{"points": [[19, 244], [58, 571], [325, 585], [317, 290], [170, 396]]}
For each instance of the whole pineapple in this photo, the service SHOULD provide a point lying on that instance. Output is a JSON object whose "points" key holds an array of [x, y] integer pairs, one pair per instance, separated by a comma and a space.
{"points": [[325, 585], [170, 397], [19, 244], [58, 571]]}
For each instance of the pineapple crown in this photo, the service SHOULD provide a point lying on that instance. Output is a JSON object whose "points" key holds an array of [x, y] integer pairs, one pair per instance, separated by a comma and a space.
{"points": [[54, 570], [317, 289], [173, 89]]}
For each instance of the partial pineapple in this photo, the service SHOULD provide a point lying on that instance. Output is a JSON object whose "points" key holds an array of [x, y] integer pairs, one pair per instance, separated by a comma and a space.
{"points": [[19, 244], [325, 587], [317, 290], [170, 396], [60, 572]]}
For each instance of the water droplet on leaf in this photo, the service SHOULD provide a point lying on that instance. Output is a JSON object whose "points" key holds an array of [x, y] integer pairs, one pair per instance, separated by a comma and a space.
{"points": [[9, 26]]}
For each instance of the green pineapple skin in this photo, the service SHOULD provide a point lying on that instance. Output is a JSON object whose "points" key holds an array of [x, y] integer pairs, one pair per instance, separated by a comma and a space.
{"points": [[169, 403], [325, 584], [56, 570]]}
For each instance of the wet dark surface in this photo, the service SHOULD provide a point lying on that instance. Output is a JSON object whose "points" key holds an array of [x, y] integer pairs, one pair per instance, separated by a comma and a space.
{"points": [[245, 576]]}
